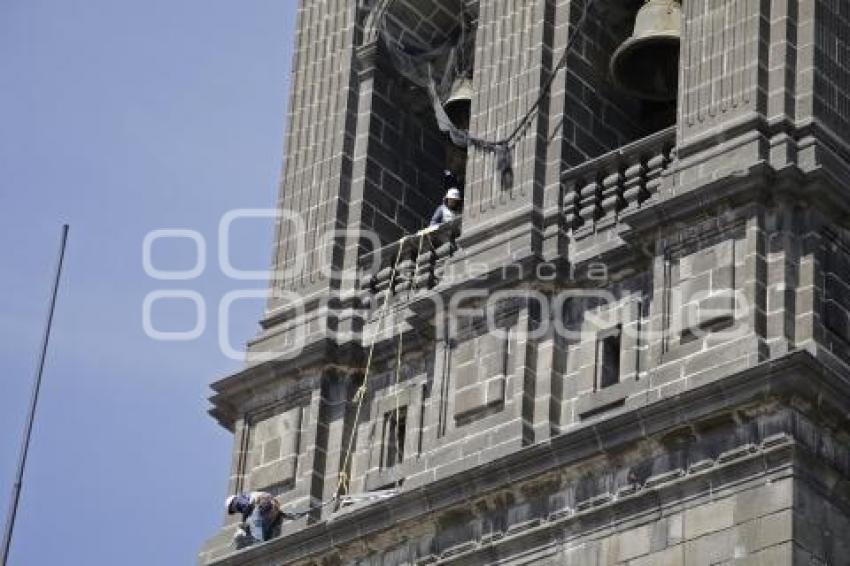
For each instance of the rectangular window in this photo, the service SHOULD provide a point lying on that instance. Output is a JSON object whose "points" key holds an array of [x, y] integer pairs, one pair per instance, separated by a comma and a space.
{"points": [[395, 430], [608, 358]]}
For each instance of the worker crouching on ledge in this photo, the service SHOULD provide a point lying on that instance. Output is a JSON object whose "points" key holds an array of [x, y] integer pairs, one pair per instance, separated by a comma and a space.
{"points": [[261, 517], [451, 207]]}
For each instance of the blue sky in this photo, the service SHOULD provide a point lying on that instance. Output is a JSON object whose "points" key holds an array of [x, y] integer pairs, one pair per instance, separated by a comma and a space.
{"points": [[121, 117]]}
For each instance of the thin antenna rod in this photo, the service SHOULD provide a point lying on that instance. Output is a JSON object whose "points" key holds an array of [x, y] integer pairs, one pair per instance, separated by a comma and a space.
{"points": [[25, 444]]}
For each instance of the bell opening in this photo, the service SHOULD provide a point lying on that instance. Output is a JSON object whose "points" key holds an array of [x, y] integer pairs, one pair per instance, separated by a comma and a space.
{"points": [[621, 84], [459, 113], [648, 68], [458, 107], [646, 65], [408, 151]]}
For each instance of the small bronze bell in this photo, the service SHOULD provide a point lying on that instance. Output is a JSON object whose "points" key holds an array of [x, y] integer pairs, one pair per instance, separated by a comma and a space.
{"points": [[459, 103], [647, 64]]}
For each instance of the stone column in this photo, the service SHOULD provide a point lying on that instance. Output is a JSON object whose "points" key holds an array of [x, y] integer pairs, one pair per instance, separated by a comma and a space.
{"points": [[723, 89]]}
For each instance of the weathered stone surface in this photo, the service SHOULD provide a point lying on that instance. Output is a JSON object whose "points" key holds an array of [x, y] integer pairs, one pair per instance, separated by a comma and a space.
{"points": [[634, 352]]}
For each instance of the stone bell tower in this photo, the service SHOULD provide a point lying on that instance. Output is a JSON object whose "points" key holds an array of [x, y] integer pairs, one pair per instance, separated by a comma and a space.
{"points": [[632, 349]]}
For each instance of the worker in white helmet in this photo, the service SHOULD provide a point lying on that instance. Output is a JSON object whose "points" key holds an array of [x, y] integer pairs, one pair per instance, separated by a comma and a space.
{"points": [[261, 516], [451, 206]]}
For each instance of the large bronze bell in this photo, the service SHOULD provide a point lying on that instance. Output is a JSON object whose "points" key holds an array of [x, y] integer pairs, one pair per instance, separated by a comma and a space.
{"points": [[459, 103], [647, 64], [458, 107]]}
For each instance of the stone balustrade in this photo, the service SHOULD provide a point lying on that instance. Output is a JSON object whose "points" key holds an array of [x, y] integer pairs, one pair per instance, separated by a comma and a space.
{"points": [[600, 191], [413, 264]]}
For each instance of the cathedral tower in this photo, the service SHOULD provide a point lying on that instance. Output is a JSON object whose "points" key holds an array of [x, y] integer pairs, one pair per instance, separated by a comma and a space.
{"points": [[632, 348]]}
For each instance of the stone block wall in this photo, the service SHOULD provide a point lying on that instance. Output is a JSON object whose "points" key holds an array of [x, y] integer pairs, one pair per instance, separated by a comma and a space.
{"points": [[692, 413], [274, 449], [826, 260], [389, 441], [724, 56], [722, 474], [694, 306], [819, 524], [596, 117], [603, 358], [512, 57], [462, 400], [405, 159], [583, 117], [318, 141], [277, 444], [753, 526], [758, 78], [831, 69], [715, 299], [836, 294]]}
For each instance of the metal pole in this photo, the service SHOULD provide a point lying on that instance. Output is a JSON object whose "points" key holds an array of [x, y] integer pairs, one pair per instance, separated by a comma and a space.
{"points": [[25, 444]]}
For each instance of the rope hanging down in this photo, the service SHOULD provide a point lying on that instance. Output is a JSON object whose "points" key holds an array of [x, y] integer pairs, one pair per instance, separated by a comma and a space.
{"points": [[344, 480], [411, 64], [359, 396], [399, 437]]}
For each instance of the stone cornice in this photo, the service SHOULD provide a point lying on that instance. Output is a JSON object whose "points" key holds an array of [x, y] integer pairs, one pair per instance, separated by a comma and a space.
{"points": [[239, 387], [608, 513]]}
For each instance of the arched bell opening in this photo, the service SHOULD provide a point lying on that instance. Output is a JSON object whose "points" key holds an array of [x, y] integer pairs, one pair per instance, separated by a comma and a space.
{"points": [[431, 44], [424, 63], [646, 64], [621, 76]]}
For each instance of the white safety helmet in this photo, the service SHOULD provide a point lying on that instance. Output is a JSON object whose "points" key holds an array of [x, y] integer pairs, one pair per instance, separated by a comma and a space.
{"points": [[228, 502], [453, 194]]}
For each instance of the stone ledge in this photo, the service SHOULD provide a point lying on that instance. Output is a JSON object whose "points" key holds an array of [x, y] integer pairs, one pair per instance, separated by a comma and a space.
{"points": [[666, 477], [737, 453], [615, 512]]}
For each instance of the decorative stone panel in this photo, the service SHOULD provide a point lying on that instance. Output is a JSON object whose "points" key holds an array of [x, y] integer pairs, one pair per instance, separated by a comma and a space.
{"points": [[273, 458], [480, 366], [831, 73], [706, 283], [397, 432], [605, 335], [722, 49]]}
